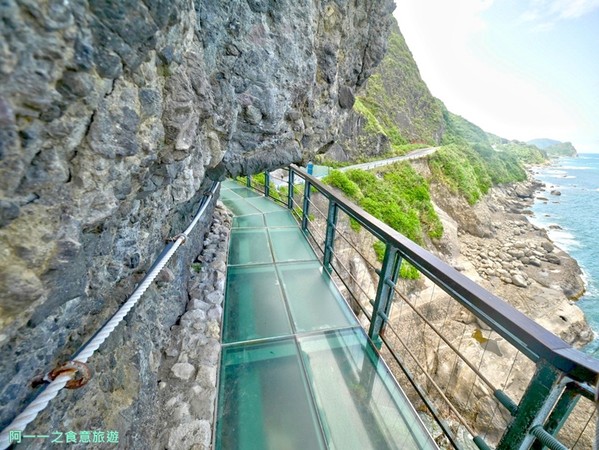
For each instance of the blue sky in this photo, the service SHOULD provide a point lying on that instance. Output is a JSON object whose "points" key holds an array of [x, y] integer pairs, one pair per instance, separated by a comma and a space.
{"points": [[521, 69]]}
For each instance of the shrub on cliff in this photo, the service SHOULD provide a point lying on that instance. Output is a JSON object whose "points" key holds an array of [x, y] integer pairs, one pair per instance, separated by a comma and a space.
{"points": [[525, 153], [471, 170], [398, 196], [462, 169], [344, 184]]}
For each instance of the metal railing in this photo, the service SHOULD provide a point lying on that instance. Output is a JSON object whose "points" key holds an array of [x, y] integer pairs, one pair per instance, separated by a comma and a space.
{"points": [[478, 368]]}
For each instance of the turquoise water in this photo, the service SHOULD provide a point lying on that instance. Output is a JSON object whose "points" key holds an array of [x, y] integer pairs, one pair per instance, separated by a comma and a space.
{"points": [[576, 211]]}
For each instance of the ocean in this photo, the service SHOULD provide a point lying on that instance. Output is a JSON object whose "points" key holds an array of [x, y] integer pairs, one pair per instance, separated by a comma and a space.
{"points": [[576, 213]]}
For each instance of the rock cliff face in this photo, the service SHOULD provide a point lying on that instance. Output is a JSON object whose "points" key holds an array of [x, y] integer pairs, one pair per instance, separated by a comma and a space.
{"points": [[113, 115]]}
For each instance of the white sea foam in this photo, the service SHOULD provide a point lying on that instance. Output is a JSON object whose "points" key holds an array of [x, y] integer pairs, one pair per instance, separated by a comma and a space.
{"points": [[564, 239], [591, 289], [576, 168], [557, 172]]}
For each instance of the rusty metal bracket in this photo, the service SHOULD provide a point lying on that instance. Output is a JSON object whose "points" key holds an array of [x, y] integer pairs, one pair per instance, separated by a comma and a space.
{"points": [[80, 372]]}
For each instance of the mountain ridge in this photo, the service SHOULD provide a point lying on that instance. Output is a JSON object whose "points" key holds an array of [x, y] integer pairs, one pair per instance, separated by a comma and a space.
{"points": [[553, 148]]}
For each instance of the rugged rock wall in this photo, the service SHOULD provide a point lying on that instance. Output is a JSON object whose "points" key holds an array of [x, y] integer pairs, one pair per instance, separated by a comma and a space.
{"points": [[111, 116]]}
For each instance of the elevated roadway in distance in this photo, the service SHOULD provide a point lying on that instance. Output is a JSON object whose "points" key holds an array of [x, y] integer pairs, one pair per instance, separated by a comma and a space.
{"points": [[322, 171], [416, 154]]}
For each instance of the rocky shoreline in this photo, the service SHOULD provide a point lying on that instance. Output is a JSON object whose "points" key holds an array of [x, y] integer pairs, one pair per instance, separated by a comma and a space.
{"points": [[502, 250]]}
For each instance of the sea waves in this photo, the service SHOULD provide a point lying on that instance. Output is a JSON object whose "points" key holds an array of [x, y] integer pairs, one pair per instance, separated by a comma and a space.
{"points": [[564, 239]]}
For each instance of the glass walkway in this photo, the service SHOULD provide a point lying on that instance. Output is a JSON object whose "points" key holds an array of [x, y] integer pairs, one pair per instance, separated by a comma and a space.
{"points": [[297, 370]]}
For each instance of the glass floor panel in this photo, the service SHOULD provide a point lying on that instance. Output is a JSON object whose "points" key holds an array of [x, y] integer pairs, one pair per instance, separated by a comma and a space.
{"points": [[240, 206], [360, 404], [249, 247], [245, 192], [313, 381], [229, 194], [280, 219], [253, 221], [289, 244], [254, 306], [314, 300], [229, 184], [264, 204], [266, 404]]}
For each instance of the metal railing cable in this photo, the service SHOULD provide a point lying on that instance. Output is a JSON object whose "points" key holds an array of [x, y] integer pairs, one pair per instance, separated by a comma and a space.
{"points": [[357, 300], [322, 214], [446, 341], [433, 383], [358, 284], [341, 234], [29, 414]]}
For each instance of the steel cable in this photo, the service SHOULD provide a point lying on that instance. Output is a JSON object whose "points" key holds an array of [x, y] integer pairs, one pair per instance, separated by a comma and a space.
{"points": [[51, 391]]}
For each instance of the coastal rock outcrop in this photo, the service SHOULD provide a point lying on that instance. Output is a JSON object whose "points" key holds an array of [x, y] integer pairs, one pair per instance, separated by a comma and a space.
{"points": [[112, 117], [495, 245]]}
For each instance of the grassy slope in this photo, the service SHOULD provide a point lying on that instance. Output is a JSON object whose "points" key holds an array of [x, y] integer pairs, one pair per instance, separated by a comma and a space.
{"points": [[396, 194], [561, 149], [470, 165], [554, 148]]}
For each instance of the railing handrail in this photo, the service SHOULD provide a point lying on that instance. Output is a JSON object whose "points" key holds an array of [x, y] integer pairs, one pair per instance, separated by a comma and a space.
{"points": [[521, 331]]}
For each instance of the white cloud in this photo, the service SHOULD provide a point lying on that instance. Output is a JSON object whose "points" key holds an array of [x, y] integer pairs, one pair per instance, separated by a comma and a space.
{"points": [[550, 11]]}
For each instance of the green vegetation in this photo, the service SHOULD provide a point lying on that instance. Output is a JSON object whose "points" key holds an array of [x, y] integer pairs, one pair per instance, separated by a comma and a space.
{"points": [[553, 148], [408, 271], [397, 195], [372, 123], [472, 170], [502, 167], [468, 163], [460, 168], [379, 250], [461, 131], [543, 143], [344, 184], [526, 153], [561, 149], [372, 111]]}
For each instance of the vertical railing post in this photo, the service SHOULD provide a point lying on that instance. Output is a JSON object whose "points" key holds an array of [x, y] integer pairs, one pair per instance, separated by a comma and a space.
{"points": [[306, 206], [248, 181], [533, 402], [560, 413], [329, 241], [290, 187], [384, 293], [266, 184]]}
